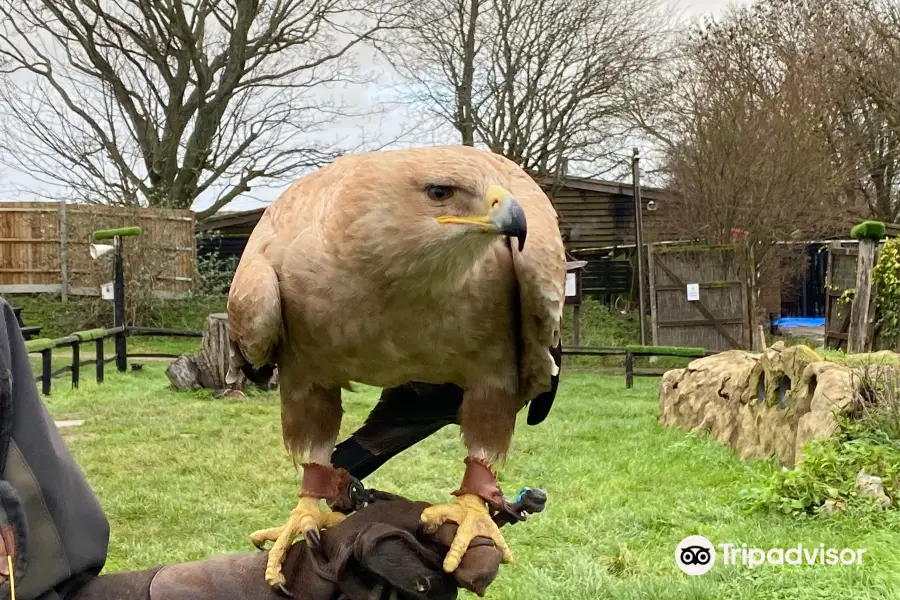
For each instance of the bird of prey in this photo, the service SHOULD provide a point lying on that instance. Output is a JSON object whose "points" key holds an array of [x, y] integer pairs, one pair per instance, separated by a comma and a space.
{"points": [[400, 266]]}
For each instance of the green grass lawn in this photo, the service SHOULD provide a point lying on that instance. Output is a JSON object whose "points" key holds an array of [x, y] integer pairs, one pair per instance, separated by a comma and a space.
{"points": [[184, 476]]}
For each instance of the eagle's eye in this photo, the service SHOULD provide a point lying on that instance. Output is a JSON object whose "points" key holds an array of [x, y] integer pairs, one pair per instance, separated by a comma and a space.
{"points": [[440, 193]]}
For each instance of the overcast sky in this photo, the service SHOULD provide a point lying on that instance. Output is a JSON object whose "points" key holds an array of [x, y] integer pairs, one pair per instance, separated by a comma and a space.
{"points": [[385, 130]]}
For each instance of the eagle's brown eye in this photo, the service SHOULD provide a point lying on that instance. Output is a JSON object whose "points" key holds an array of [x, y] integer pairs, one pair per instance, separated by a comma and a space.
{"points": [[440, 193]]}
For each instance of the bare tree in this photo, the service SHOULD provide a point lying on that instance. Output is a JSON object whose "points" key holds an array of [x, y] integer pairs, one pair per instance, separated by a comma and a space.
{"points": [[540, 81], [844, 51], [863, 111], [741, 122], [162, 102]]}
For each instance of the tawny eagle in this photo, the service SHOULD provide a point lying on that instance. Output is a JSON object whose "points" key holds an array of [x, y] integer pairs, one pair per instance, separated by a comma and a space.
{"points": [[402, 266]]}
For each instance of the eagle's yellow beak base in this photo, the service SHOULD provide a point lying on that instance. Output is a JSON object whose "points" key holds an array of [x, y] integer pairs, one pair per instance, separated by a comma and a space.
{"points": [[504, 216]]}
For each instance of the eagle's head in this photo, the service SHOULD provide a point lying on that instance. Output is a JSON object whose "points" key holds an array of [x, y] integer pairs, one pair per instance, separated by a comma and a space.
{"points": [[427, 212], [493, 211]]}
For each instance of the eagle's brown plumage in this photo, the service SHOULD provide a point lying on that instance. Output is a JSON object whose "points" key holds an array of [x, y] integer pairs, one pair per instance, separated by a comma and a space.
{"points": [[359, 272]]}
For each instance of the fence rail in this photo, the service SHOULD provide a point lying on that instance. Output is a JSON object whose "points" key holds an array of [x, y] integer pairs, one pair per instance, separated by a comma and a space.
{"points": [[629, 352], [45, 348]]}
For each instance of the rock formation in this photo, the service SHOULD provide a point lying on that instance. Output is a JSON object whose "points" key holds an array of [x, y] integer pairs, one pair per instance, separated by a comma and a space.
{"points": [[762, 405]]}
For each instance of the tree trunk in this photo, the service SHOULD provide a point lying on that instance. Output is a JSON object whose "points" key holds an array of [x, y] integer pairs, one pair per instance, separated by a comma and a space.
{"points": [[214, 352], [183, 373], [208, 367]]}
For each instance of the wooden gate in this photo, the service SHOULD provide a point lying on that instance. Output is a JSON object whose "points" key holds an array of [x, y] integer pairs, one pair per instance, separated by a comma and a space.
{"points": [[700, 296], [842, 261]]}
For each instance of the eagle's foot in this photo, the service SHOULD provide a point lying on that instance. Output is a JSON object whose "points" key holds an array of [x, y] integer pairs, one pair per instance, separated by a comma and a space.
{"points": [[306, 520], [470, 512]]}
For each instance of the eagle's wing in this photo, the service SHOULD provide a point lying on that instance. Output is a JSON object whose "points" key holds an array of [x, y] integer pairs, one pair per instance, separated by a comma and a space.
{"points": [[254, 305], [541, 274]]}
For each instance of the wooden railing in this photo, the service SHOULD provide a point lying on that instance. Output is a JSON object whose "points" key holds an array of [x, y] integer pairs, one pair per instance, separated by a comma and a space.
{"points": [[46, 346], [629, 352]]}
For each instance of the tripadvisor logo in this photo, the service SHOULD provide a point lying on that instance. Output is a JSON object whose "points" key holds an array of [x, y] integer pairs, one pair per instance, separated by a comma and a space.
{"points": [[696, 555]]}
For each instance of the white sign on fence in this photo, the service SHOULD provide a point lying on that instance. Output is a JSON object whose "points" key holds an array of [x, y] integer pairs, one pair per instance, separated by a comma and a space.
{"points": [[570, 284], [693, 292], [106, 291]]}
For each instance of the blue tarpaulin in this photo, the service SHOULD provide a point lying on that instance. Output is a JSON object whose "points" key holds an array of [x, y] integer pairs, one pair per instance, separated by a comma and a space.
{"points": [[800, 322]]}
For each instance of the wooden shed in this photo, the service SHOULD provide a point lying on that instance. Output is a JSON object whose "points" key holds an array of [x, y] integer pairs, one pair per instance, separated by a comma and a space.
{"points": [[596, 218], [597, 214]]}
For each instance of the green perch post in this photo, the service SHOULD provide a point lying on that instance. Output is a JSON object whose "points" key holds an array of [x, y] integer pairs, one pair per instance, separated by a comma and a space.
{"points": [[118, 289], [108, 234]]}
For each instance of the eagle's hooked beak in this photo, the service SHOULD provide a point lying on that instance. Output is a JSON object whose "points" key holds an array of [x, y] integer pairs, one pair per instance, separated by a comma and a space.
{"points": [[504, 216]]}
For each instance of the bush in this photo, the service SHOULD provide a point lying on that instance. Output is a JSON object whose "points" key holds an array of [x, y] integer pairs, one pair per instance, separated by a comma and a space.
{"points": [[214, 273], [602, 325], [886, 279], [59, 319], [868, 439], [829, 470]]}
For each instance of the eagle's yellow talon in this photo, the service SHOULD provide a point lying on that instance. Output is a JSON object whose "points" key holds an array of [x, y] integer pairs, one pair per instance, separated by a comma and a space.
{"points": [[308, 516], [470, 513]]}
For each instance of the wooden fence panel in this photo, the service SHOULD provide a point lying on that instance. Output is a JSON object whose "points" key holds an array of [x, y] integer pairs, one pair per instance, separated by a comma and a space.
{"points": [[720, 318], [842, 261], [843, 258], [29, 244], [46, 249]]}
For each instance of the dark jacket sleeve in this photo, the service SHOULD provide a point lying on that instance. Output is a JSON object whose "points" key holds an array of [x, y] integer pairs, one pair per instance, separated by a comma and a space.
{"points": [[404, 416], [67, 530], [407, 414]]}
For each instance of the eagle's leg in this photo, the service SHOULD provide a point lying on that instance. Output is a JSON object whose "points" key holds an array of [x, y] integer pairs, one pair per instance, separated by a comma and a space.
{"points": [[487, 420], [310, 424]]}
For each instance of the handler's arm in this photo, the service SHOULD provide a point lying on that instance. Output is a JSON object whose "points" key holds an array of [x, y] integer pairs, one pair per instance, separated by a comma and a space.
{"points": [[53, 524], [404, 416]]}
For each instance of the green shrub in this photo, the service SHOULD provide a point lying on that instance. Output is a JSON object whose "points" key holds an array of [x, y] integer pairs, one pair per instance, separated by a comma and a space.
{"points": [[605, 326], [886, 278], [214, 272], [602, 325], [830, 467], [58, 319]]}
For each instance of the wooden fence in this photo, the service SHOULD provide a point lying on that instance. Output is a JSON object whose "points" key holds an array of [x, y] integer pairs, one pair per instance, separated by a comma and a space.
{"points": [[701, 296], [842, 259], [44, 248]]}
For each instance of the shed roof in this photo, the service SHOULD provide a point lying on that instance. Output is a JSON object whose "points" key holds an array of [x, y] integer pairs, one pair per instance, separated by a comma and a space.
{"points": [[612, 188], [240, 222]]}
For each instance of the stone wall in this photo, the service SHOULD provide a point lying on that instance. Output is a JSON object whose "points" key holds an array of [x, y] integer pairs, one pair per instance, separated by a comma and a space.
{"points": [[762, 405]]}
